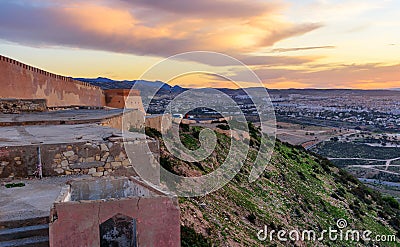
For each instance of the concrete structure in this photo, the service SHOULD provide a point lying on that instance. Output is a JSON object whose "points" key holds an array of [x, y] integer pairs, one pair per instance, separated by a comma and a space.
{"points": [[100, 210], [124, 98], [114, 212], [73, 142], [73, 149], [24, 211], [105, 117], [162, 123]]}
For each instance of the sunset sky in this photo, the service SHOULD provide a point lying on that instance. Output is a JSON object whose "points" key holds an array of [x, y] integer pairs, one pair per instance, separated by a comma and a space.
{"points": [[288, 43]]}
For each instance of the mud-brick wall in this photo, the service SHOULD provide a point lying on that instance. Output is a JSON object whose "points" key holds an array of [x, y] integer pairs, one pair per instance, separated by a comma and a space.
{"points": [[96, 159], [22, 105], [22, 81]]}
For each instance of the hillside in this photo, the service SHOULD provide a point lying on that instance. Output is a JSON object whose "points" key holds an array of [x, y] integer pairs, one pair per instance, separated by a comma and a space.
{"points": [[298, 191]]}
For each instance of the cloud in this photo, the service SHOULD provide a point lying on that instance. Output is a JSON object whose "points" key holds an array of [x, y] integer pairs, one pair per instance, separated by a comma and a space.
{"points": [[280, 50], [249, 60], [151, 27], [279, 33], [216, 9], [340, 76]]}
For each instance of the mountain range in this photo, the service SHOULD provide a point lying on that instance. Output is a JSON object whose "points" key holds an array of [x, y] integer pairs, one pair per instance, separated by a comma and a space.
{"points": [[142, 85]]}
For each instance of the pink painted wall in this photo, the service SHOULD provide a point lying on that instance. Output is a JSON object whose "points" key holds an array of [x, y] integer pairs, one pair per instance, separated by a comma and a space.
{"points": [[21, 81], [77, 224]]}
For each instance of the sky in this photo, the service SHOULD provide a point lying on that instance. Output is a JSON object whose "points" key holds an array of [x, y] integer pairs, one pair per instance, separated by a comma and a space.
{"points": [[287, 43]]}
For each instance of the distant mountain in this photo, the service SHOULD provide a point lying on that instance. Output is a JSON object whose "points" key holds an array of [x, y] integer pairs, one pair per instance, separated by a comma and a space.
{"points": [[146, 86], [142, 85]]}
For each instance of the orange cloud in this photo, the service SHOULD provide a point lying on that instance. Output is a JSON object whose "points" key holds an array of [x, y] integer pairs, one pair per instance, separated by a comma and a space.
{"points": [[151, 27], [363, 76]]}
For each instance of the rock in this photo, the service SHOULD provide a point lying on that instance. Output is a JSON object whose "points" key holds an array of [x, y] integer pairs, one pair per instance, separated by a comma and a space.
{"points": [[86, 165], [64, 163], [116, 164], [17, 158], [57, 156], [59, 170], [100, 169], [97, 174], [122, 155], [90, 159], [73, 158], [104, 147], [92, 171], [107, 166], [68, 153], [126, 163]]}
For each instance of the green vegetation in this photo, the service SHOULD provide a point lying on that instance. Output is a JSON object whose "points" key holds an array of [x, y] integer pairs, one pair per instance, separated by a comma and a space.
{"points": [[351, 150], [14, 185], [190, 238], [223, 126], [298, 190]]}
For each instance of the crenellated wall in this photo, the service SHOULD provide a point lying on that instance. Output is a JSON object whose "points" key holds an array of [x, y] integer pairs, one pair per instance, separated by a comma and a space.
{"points": [[21, 81]]}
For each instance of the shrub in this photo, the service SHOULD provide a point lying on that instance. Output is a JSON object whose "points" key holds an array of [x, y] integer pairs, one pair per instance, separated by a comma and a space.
{"points": [[223, 126], [190, 238], [252, 218], [13, 185], [392, 202]]}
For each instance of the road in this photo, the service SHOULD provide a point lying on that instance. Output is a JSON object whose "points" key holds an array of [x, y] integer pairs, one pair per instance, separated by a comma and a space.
{"points": [[372, 167]]}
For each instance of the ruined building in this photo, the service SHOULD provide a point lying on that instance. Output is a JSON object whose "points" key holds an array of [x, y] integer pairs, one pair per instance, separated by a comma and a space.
{"points": [[69, 132]]}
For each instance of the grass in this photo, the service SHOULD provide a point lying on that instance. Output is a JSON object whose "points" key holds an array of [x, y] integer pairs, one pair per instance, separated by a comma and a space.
{"points": [[298, 190]]}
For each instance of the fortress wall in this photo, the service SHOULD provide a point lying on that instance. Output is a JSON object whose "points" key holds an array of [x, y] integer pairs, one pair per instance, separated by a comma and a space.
{"points": [[22, 81]]}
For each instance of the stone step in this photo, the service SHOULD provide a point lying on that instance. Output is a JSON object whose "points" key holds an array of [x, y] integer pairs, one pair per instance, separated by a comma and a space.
{"points": [[37, 241], [24, 232], [23, 222]]}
